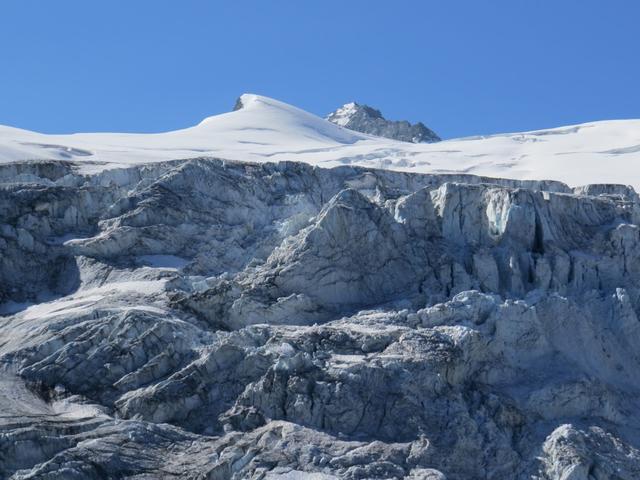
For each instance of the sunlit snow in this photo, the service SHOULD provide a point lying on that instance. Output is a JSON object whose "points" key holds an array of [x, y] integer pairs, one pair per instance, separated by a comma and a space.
{"points": [[266, 130]]}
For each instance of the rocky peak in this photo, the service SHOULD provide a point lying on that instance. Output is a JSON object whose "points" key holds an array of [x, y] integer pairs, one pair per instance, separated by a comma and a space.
{"points": [[238, 105], [365, 119]]}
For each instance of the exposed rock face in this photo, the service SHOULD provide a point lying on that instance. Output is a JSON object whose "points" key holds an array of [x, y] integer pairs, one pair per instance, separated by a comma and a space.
{"points": [[365, 119], [211, 319]]}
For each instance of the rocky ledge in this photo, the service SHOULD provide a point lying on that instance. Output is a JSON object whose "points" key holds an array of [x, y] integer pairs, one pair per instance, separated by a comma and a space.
{"points": [[211, 319]]}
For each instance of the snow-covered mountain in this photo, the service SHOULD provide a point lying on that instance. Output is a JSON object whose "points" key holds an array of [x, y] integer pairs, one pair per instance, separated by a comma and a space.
{"points": [[365, 119], [269, 130], [165, 314]]}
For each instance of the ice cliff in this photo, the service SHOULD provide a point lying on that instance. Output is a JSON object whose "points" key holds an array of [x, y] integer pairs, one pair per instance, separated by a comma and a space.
{"points": [[204, 318]]}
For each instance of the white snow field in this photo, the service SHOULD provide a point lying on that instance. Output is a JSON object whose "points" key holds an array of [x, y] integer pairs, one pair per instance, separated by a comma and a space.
{"points": [[268, 130]]}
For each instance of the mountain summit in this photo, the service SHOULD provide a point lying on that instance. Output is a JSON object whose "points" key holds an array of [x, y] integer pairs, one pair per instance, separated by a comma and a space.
{"points": [[365, 119]]}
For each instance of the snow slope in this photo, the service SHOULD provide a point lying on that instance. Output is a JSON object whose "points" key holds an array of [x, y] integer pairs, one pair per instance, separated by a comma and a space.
{"points": [[269, 130]]}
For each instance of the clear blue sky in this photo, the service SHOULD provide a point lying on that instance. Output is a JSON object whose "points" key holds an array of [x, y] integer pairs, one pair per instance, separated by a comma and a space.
{"points": [[463, 67]]}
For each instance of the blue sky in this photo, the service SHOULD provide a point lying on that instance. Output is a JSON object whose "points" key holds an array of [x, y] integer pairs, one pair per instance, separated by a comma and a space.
{"points": [[463, 67]]}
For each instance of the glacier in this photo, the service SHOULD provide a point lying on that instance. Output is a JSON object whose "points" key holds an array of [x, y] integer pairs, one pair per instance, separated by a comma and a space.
{"points": [[174, 311], [267, 130]]}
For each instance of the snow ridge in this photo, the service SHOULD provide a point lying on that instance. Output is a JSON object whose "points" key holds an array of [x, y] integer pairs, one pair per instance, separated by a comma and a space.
{"points": [[266, 130]]}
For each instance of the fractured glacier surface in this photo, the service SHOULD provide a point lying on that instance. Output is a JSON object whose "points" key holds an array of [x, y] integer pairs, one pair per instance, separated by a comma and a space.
{"points": [[211, 319]]}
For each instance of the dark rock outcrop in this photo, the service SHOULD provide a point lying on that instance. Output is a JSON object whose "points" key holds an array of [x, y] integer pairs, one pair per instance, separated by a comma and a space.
{"points": [[365, 119]]}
